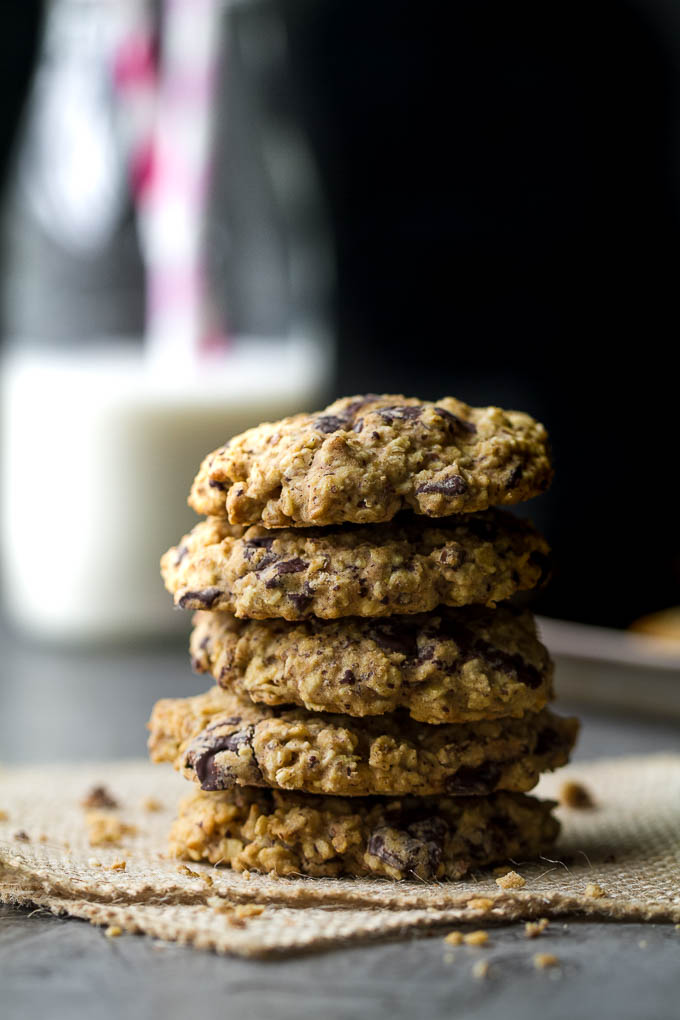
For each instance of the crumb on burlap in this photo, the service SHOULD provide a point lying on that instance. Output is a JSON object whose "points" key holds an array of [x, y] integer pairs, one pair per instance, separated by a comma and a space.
{"points": [[3, 816], [117, 865], [182, 869], [575, 795], [22, 836], [235, 915], [94, 862], [106, 829], [454, 938], [480, 903], [532, 929], [511, 880], [151, 804], [113, 931], [42, 838], [480, 970], [476, 938], [99, 799], [543, 960], [594, 891]]}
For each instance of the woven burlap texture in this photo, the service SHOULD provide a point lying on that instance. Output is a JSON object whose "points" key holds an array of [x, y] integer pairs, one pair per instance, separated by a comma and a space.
{"points": [[628, 844]]}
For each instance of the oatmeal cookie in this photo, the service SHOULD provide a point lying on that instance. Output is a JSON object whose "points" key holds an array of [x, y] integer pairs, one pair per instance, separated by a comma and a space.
{"points": [[451, 665], [408, 566], [219, 740], [426, 839], [365, 458]]}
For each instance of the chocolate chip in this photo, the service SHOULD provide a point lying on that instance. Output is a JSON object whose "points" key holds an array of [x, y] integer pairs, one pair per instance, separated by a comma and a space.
{"points": [[454, 485], [472, 647], [328, 423], [266, 561], [207, 598], [480, 779], [405, 854], [209, 775], [301, 602], [399, 412], [348, 677], [454, 421], [257, 543], [222, 486], [293, 566], [514, 476]]}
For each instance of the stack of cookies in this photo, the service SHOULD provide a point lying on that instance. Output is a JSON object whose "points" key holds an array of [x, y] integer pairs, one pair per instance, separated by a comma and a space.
{"points": [[380, 707]]}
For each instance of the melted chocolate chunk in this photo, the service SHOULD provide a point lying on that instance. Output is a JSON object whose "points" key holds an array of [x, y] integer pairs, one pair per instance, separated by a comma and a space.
{"points": [[399, 412], [209, 775], [266, 561], [454, 485], [348, 677], [454, 421], [329, 423], [470, 780], [404, 853], [293, 566], [514, 476], [222, 486], [301, 602], [429, 830], [207, 597]]}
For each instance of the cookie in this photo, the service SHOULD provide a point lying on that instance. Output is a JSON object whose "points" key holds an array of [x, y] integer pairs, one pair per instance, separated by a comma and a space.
{"points": [[220, 740], [451, 665], [365, 458], [408, 566], [430, 838]]}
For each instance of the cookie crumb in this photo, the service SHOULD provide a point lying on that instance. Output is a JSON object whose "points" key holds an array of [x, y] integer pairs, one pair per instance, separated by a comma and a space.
{"points": [[117, 865], [21, 836], [182, 869], [476, 938], [99, 799], [151, 804], [42, 838], [249, 910], [594, 891], [511, 880], [576, 795], [480, 970], [94, 862], [105, 829], [544, 960], [532, 929], [454, 938], [3, 816], [480, 903], [113, 931]]}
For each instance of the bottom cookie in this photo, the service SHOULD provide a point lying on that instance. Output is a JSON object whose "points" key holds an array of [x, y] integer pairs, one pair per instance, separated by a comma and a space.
{"points": [[408, 838]]}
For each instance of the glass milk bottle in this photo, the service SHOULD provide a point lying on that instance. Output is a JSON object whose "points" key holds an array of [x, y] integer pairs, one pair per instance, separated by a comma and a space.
{"points": [[167, 287]]}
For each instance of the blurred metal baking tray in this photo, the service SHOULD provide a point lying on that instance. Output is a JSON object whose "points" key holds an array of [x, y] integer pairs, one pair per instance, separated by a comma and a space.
{"points": [[614, 669]]}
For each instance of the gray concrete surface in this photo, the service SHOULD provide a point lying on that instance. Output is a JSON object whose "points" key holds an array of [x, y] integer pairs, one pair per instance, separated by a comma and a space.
{"points": [[60, 704]]}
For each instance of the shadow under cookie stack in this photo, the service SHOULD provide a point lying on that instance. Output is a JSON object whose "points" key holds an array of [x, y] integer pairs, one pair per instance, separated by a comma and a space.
{"points": [[380, 705]]}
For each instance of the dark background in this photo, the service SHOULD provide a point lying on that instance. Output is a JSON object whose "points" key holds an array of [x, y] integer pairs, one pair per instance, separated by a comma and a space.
{"points": [[502, 185]]}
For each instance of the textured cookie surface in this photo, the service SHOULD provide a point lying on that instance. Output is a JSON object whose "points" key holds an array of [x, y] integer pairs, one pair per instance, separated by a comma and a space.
{"points": [[451, 665], [365, 458], [426, 839], [408, 566], [220, 740]]}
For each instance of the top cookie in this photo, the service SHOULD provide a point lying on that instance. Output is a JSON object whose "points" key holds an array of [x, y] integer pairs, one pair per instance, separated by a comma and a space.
{"points": [[365, 458]]}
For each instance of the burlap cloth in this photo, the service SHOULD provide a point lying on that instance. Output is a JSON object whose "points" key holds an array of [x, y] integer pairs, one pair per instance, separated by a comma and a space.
{"points": [[628, 844]]}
